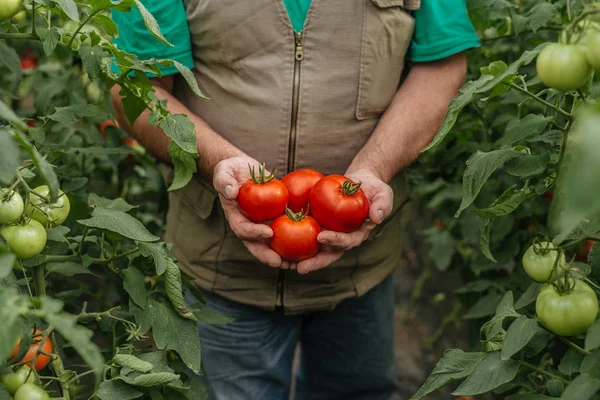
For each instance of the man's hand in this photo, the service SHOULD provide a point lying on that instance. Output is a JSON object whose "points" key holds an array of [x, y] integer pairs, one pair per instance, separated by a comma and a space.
{"points": [[229, 175], [333, 244]]}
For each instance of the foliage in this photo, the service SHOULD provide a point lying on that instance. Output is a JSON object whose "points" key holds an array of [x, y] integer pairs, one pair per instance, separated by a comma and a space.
{"points": [[514, 163], [105, 290]]}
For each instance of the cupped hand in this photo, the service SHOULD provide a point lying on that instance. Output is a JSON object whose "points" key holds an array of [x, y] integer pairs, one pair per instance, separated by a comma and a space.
{"points": [[333, 244], [228, 176]]}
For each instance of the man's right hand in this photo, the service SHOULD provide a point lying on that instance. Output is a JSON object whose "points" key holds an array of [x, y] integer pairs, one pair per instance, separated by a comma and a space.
{"points": [[228, 176]]}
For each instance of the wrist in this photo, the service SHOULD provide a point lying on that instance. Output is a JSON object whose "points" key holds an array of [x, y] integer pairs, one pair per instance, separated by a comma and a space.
{"points": [[362, 169]]}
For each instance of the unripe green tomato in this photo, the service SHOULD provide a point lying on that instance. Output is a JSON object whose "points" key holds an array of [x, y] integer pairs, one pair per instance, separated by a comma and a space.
{"points": [[540, 265], [563, 67], [9, 8], [29, 391], [567, 314], [52, 214], [19, 17], [27, 240], [593, 50], [11, 206], [93, 92], [579, 35], [13, 381], [66, 38]]}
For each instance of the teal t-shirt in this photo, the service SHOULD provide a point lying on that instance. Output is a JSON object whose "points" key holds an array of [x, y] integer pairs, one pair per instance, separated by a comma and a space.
{"points": [[442, 28]]}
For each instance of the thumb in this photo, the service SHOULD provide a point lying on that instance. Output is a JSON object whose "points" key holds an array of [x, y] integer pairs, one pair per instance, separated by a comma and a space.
{"points": [[382, 205], [226, 184]]}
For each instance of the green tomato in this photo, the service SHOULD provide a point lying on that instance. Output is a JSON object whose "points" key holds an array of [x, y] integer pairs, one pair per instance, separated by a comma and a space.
{"points": [[538, 261], [48, 214], [8, 8], [11, 206], [29, 391], [593, 50], [15, 380], [563, 67], [20, 16], [26, 240], [580, 33], [567, 314]]}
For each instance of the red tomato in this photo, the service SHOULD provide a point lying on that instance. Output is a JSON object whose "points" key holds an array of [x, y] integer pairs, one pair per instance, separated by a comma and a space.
{"points": [[42, 360], [581, 254], [339, 204], [262, 198], [299, 184], [131, 142], [295, 236], [28, 63], [103, 125]]}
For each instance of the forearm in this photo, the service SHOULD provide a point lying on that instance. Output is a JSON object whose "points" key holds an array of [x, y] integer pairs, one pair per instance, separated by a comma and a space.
{"points": [[413, 117], [211, 146]]}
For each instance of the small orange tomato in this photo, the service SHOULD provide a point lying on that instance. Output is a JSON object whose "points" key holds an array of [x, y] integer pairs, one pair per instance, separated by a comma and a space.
{"points": [[103, 125], [42, 359]]}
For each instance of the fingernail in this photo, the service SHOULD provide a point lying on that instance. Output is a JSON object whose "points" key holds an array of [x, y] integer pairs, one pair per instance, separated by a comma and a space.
{"points": [[380, 215], [228, 191]]}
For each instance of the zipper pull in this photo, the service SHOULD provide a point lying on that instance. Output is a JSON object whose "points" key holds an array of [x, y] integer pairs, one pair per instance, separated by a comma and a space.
{"points": [[299, 52]]}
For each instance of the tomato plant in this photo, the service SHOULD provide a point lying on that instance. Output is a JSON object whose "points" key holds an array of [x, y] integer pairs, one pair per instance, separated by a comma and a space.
{"points": [[295, 236], [299, 184], [539, 260], [569, 313], [339, 204], [563, 66], [29, 391], [11, 206], [262, 198], [16, 379], [45, 211], [593, 49]]}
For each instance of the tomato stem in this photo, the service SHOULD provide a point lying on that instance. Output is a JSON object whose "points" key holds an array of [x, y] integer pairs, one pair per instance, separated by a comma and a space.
{"points": [[261, 174], [574, 346], [299, 216], [350, 188], [539, 99], [543, 372]]}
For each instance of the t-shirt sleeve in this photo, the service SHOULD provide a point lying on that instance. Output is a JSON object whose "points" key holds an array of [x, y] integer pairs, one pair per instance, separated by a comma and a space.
{"points": [[135, 38], [442, 28]]}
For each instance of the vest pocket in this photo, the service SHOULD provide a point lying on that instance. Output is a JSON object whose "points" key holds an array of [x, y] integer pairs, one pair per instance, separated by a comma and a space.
{"points": [[386, 34]]}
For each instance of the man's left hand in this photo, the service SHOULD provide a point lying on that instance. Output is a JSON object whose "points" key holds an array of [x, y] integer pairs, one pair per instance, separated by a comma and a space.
{"points": [[333, 244]]}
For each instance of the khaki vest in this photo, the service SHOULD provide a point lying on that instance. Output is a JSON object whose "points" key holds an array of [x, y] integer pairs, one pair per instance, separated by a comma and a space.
{"points": [[290, 101]]}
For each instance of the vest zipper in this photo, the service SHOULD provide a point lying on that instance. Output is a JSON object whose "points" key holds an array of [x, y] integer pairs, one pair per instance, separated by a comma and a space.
{"points": [[298, 56]]}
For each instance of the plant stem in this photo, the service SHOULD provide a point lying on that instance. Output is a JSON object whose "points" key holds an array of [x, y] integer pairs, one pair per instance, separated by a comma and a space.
{"points": [[541, 371], [77, 257], [591, 283], [39, 280], [573, 346], [85, 21], [18, 35], [540, 100]]}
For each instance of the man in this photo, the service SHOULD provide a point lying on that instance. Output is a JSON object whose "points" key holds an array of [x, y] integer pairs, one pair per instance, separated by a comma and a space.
{"points": [[299, 84]]}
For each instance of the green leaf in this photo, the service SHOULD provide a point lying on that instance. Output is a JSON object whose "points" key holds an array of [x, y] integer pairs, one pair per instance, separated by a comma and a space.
{"points": [[70, 115], [69, 7], [592, 337], [151, 23], [10, 59], [171, 332], [526, 58], [179, 128], [12, 323], [466, 95], [117, 204], [454, 365], [92, 59], [44, 168], [67, 268], [485, 231], [591, 364], [132, 105], [555, 387], [159, 254], [175, 290], [529, 296], [480, 166], [10, 160], [484, 307], [541, 15], [50, 39], [144, 318], [553, 137], [477, 286], [185, 166], [190, 78], [529, 396], [113, 390], [518, 335], [526, 166], [129, 361], [78, 336], [442, 249], [530, 125], [208, 316], [508, 205], [490, 373], [570, 363], [581, 388], [161, 378], [119, 222], [135, 286], [107, 25], [6, 113], [6, 264]]}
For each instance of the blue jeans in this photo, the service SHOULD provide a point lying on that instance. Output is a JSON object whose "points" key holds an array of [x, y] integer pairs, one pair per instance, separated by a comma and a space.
{"points": [[347, 353]]}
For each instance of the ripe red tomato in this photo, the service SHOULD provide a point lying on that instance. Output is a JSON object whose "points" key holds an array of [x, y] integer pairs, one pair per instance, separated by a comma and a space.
{"points": [[262, 198], [339, 204], [295, 236], [299, 184], [583, 250], [42, 360], [103, 125]]}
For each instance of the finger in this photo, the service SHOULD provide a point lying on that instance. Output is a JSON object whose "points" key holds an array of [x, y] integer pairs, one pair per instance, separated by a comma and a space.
{"points": [[319, 261], [225, 182], [242, 227], [293, 266], [285, 265], [382, 203], [345, 241], [263, 253]]}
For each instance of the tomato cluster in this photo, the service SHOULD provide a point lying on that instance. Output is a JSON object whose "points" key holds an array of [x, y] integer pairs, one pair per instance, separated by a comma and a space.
{"points": [[24, 229], [565, 306], [567, 66], [300, 205]]}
